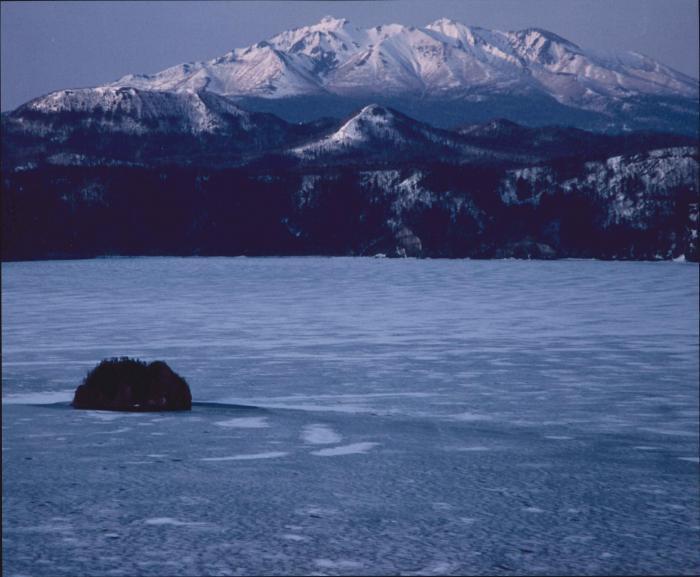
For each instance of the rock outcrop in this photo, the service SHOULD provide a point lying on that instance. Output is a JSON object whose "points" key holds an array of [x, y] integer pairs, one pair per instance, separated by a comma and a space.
{"points": [[123, 384]]}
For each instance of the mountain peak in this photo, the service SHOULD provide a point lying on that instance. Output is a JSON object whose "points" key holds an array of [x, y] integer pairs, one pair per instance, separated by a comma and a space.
{"points": [[374, 110], [331, 23], [447, 26], [367, 119], [531, 35], [442, 22], [373, 123]]}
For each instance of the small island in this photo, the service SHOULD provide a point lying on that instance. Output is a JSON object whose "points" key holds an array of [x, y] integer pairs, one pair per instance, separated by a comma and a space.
{"points": [[124, 384]]}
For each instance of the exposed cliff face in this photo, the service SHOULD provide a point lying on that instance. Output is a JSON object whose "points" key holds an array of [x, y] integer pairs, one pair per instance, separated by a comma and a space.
{"points": [[639, 206]]}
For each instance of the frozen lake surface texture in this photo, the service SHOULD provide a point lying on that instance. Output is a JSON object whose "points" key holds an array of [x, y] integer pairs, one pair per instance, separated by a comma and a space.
{"points": [[355, 416]]}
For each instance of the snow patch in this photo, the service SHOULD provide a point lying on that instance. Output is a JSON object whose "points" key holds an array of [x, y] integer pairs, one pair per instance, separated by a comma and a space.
{"points": [[338, 564], [172, 522], [471, 417], [247, 457], [245, 423], [318, 434], [294, 537], [353, 449]]}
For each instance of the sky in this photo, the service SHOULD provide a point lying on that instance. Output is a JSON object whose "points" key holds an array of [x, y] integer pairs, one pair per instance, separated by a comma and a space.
{"points": [[48, 46]]}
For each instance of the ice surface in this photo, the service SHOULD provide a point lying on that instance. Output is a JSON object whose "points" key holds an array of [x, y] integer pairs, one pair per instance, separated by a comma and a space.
{"points": [[413, 417], [38, 398]]}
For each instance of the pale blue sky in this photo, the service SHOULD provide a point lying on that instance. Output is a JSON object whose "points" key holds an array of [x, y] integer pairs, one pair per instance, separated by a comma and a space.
{"points": [[51, 45]]}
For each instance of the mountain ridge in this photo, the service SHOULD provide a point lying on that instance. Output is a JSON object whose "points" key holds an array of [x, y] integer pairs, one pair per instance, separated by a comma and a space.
{"points": [[331, 56], [445, 74], [120, 125]]}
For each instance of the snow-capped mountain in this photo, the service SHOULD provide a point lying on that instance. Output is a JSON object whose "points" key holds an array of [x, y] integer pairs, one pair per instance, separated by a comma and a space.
{"points": [[370, 126], [445, 74], [378, 133], [139, 111], [445, 57], [106, 125]]}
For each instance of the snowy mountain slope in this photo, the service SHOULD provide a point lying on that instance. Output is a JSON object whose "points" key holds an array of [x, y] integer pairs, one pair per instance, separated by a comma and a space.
{"points": [[139, 111], [446, 74], [378, 133], [104, 125], [634, 199], [628, 184], [333, 56], [109, 125]]}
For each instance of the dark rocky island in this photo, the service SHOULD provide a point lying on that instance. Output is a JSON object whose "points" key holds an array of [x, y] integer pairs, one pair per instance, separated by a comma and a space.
{"points": [[124, 384]]}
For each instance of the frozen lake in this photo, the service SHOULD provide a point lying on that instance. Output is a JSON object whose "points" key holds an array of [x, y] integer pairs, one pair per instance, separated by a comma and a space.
{"points": [[355, 416]]}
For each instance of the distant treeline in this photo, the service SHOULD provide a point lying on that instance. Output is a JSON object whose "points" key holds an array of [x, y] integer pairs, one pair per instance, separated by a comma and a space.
{"points": [[458, 211]]}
